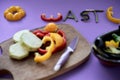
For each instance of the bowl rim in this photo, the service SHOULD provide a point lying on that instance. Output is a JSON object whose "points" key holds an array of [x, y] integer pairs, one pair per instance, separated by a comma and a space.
{"points": [[97, 54]]}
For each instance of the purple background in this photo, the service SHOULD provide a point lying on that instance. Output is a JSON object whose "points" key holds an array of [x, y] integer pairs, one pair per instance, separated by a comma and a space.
{"points": [[92, 69]]}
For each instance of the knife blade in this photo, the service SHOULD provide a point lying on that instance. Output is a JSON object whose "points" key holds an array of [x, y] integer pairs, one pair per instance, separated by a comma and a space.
{"points": [[64, 57]]}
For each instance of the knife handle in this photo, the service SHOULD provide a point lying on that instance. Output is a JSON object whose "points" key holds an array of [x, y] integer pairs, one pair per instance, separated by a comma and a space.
{"points": [[63, 59]]}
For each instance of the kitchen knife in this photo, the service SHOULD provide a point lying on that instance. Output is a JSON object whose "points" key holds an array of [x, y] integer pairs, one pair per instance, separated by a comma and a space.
{"points": [[70, 49]]}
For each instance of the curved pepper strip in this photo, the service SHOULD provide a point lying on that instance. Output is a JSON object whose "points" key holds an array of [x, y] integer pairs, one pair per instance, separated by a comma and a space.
{"points": [[50, 49], [59, 39], [62, 34], [51, 19], [42, 51], [109, 14]]}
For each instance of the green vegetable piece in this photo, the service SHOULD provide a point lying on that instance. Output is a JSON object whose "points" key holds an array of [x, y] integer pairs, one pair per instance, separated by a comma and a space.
{"points": [[114, 50], [116, 37]]}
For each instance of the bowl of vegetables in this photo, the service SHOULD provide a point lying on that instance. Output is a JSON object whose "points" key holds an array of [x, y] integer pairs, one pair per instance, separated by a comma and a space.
{"points": [[106, 48]]}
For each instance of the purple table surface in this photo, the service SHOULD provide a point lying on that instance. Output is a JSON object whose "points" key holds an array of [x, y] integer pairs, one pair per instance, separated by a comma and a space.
{"points": [[92, 69]]}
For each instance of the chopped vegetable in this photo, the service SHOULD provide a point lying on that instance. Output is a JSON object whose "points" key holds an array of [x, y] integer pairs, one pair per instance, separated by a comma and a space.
{"points": [[113, 50], [111, 43], [116, 37], [18, 51], [17, 36], [31, 41], [63, 45], [51, 19], [43, 43], [110, 17], [49, 49], [58, 40], [39, 33], [51, 27]]}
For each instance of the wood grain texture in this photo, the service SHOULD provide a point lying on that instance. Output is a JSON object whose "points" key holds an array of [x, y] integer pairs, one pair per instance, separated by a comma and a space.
{"points": [[27, 69]]}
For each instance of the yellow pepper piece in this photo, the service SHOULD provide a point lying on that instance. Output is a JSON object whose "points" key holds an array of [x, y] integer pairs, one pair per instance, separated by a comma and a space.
{"points": [[50, 49], [57, 39], [110, 17], [112, 43]]}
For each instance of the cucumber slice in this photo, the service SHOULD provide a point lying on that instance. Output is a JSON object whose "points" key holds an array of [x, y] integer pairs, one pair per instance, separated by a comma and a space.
{"points": [[17, 36], [31, 41], [18, 51]]}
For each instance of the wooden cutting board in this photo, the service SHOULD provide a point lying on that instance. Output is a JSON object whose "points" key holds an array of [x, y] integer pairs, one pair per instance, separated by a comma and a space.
{"points": [[27, 69]]}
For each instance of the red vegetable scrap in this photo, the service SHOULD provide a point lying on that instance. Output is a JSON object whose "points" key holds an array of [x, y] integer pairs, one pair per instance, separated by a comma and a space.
{"points": [[42, 51], [40, 33], [51, 19]]}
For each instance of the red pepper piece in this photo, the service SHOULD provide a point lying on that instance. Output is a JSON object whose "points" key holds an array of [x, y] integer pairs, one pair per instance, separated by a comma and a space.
{"points": [[36, 31], [45, 32], [40, 33], [42, 51], [61, 33], [51, 19]]}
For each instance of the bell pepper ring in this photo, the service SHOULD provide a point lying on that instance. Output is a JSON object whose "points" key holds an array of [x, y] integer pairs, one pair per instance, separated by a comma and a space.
{"points": [[109, 14], [40, 58], [51, 19]]}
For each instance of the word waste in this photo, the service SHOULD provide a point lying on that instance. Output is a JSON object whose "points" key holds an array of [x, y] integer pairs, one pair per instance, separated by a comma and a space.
{"points": [[84, 14]]}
